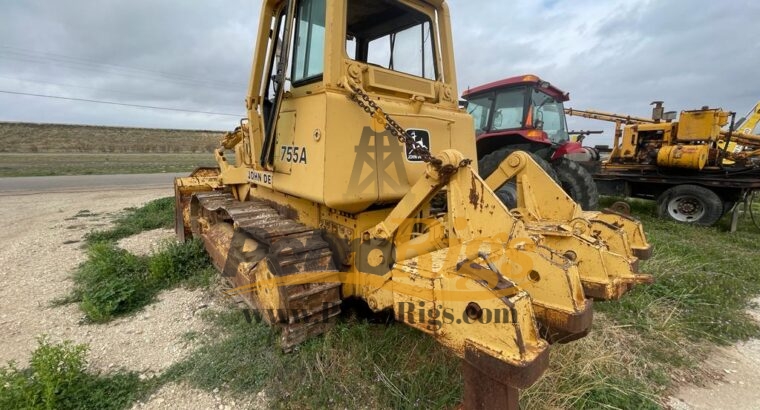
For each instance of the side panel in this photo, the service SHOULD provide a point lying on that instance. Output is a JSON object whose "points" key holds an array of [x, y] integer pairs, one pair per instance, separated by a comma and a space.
{"points": [[368, 165], [286, 130], [303, 154]]}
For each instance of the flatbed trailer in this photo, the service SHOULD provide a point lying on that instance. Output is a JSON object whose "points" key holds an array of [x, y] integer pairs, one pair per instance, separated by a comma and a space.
{"points": [[694, 196]]}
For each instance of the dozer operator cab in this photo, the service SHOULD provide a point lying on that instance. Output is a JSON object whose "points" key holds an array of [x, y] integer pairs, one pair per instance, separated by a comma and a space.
{"points": [[308, 138], [518, 110]]}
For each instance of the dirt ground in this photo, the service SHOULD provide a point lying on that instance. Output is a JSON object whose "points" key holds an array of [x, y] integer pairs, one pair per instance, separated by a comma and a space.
{"points": [[41, 246], [737, 380]]}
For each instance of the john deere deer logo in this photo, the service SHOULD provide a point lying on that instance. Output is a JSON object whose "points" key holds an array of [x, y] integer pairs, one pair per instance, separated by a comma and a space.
{"points": [[421, 140]]}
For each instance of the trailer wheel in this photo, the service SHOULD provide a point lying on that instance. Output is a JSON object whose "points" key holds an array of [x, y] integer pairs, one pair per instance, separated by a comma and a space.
{"points": [[690, 204], [507, 193], [577, 182]]}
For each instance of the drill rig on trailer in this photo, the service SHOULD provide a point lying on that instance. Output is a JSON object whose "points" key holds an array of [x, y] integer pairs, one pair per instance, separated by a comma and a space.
{"points": [[335, 192], [694, 167]]}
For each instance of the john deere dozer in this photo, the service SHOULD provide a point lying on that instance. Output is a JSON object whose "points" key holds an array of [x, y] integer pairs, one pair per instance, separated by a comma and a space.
{"points": [[335, 192]]}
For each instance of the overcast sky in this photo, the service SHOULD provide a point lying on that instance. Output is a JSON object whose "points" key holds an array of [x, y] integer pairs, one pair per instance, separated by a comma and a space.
{"points": [[614, 55]]}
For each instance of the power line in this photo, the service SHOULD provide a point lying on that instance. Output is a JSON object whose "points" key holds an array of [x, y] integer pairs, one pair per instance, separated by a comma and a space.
{"points": [[79, 66], [73, 86], [78, 60], [118, 103], [91, 65]]}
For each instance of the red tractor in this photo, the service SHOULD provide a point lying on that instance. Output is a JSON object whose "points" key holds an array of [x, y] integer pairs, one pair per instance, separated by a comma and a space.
{"points": [[526, 113]]}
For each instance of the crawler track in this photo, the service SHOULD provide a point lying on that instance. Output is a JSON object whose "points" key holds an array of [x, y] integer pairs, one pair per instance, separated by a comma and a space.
{"points": [[252, 245]]}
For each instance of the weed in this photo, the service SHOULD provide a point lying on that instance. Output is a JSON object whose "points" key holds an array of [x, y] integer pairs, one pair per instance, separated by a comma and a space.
{"points": [[158, 213], [114, 282], [603, 370], [181, 262], [57, 379], [705, 279], [111, 282], [354, 365]]}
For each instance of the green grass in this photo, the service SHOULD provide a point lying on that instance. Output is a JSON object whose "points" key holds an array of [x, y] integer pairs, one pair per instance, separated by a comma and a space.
{"points": [[57, 378], [355, 365], [606, 369], [705, 278], [113, 282], [373, 365], [180, 263], [158, 213], [51, 164]]}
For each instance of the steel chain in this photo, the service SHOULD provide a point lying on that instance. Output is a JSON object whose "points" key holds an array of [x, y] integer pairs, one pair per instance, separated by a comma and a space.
{"points": [[370, 107]]}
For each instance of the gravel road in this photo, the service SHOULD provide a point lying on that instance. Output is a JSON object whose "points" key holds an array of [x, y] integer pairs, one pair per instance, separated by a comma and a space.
{"points": [[737, 379], [41, 246], [84, 183]]}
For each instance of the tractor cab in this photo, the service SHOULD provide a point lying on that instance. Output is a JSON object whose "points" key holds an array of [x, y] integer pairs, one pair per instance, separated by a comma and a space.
{"points": [[522, 110]]}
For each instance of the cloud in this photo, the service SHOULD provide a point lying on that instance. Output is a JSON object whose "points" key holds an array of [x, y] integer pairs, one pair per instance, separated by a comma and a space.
{"points": [[616, 55], [159, 53]]}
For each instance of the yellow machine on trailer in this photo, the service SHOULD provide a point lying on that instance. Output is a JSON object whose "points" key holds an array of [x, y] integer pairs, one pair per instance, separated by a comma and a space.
{"points": [[695, 168], [335, 192], [749, 124]]}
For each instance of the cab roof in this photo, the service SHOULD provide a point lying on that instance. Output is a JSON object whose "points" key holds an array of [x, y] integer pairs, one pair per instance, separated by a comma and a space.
{"points": [[510, 82]]}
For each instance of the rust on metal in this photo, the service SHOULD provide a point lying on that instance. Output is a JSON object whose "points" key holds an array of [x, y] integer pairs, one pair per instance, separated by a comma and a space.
{"points": [[474, 196], [643, 253], [561, 327], [492, 383], [249, 243]]}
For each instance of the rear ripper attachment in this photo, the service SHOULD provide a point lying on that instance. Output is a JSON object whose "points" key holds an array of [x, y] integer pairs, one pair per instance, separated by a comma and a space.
{"points": [[606, 246]]}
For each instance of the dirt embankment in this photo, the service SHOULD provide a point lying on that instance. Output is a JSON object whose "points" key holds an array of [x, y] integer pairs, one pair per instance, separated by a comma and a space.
{"points": [[20, 137]]}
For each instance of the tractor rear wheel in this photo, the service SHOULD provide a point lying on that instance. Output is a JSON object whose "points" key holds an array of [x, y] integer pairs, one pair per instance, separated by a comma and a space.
{"points": [[577, 182], [508, 192]]}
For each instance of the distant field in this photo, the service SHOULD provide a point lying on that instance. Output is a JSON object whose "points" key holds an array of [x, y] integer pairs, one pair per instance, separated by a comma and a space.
{"points": [[28, 149], [18, 165], [29, 137]]}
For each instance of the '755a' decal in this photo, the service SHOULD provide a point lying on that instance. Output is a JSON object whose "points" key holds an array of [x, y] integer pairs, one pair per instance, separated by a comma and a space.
{"points": [[293, 153]]}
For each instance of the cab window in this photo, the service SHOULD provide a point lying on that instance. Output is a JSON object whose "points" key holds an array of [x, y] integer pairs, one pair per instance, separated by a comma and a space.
{"points": [[480, 109], [308, 64], [392, 36], [548, 116], [508, 110]]}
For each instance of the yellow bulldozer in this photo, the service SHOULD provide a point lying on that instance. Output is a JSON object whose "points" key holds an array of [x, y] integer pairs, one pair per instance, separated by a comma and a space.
{"points": [[352, 178]]}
